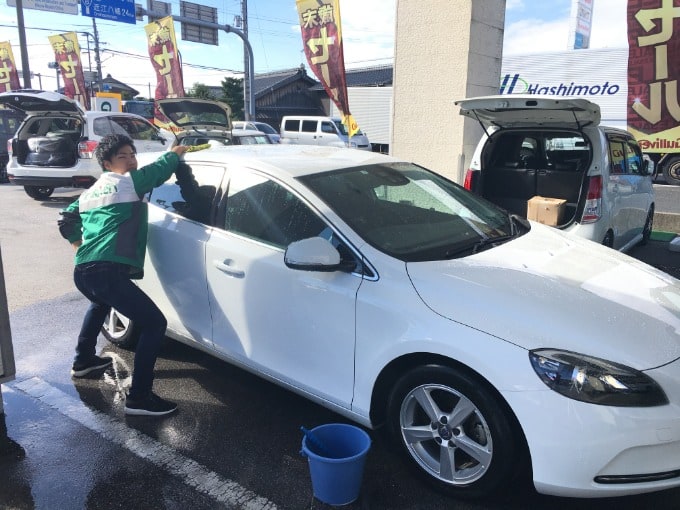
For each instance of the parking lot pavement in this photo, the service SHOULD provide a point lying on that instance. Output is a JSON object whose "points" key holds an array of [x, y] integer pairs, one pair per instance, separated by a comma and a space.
{"points": [[657, 253]]}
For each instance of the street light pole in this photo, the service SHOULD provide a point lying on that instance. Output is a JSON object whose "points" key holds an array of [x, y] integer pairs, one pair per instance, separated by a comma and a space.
{"points": [[250, 111]]}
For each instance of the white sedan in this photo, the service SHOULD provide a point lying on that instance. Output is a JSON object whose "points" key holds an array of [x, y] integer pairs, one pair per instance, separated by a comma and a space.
{"points": [[493, 348]]}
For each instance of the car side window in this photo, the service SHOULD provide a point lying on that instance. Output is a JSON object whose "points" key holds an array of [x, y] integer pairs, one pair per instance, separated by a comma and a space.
{"points": [[617, 155], [264, 210], [292, 125], [633, 158], [308, 126], [327, 127], [192, 196], [134, 128], [102, 127]]}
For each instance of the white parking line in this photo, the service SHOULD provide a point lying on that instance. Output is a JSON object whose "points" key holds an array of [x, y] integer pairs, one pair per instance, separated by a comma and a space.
{"points": [[192, 473]]}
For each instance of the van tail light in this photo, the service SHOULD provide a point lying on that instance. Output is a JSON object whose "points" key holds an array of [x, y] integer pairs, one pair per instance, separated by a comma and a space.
{"points": [[86, 149], [10, 146], [471, 180], [593, 208]]}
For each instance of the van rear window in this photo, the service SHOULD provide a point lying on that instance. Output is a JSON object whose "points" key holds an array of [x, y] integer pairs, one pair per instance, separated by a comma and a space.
{"points": [[292, 125]]}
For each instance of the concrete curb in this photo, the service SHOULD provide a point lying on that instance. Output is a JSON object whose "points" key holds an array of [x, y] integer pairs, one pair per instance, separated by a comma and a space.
{"points": [[666, 222]]}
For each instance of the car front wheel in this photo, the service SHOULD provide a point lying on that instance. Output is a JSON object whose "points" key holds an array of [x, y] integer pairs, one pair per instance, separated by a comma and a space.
{"points": [[457, 434], [39, 192], [120, 331]]}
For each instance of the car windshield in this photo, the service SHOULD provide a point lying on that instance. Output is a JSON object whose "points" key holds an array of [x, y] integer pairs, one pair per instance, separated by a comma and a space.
{"points": [[265, 128], [343, 129], [411, 213]]}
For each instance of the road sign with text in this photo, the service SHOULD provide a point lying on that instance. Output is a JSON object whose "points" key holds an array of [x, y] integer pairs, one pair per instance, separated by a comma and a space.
{"points": [[111, 10]]}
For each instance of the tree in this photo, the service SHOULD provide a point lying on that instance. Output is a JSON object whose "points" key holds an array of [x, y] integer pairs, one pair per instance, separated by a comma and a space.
{"points": [[200, 91], [232, 94]]}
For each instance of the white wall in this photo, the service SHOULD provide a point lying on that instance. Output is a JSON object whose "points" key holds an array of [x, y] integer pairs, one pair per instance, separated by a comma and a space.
{"points": [[444, 50]]}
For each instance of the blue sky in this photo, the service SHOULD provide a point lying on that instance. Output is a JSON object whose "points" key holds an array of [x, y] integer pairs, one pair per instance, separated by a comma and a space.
{"points": [[368, 31]]}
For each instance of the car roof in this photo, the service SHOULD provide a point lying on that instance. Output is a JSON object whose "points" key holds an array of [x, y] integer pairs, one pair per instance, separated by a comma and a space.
{"points": [[248, 132], [289, 160]]}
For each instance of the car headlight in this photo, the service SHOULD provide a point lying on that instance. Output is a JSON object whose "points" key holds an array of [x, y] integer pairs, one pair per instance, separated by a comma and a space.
{"points": [[595, 380]]}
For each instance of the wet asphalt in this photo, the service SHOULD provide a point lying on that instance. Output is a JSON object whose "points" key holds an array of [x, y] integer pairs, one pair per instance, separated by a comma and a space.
{"points": [[234, 443]]}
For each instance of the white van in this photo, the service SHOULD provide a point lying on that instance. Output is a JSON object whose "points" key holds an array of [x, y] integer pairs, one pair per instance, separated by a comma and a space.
{"points": [[538, 150], [310, 130]]}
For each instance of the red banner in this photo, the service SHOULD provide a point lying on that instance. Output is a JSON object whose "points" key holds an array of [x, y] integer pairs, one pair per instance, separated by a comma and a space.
{"points": [[322, 39], [9, 76], [67, 55], [165, 60], [653, 73]]}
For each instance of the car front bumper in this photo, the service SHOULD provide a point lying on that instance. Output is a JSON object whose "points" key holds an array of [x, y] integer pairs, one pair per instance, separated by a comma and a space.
{"points": [[587, 450]]}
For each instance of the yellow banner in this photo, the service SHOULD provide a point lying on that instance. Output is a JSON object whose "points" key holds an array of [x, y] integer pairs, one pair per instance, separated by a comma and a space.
{"points": [[321, 31], [9, 76], [162, 46], [67, 55]]}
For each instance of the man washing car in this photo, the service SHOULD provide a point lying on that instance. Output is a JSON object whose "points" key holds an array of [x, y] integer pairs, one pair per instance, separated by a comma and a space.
{"points": [[108, 226]]}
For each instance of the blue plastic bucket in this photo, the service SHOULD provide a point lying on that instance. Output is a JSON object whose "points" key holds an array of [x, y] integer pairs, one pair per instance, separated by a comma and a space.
{"points": [[336, 461]]}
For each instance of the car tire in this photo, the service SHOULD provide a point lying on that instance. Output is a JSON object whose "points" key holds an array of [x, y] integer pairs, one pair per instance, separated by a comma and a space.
{"points": [[671, 171], [120, 331], [481, 455], [608, 240], [38, 192], [647, 229]]}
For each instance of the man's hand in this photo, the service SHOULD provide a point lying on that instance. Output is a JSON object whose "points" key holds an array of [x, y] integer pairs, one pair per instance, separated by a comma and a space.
{"points": [[180, 149]]}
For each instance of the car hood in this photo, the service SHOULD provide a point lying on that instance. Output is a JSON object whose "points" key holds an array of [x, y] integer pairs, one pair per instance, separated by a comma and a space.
{"points": [[548, 289], [191, 115], [528, 110]]}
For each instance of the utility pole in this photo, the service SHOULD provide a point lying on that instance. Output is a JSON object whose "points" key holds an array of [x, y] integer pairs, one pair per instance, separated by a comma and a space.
{"points": [[97, 60], [246, 60]]}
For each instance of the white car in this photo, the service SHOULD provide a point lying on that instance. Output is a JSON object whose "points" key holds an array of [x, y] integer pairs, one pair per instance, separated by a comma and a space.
{"points": [[204, 121], [493, 348], [555, 148], [252, 125], [54, 145]]}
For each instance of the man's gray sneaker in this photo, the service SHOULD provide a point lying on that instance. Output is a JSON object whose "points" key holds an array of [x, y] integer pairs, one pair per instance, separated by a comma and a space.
{"points": [[150, 405], [81, 369]]}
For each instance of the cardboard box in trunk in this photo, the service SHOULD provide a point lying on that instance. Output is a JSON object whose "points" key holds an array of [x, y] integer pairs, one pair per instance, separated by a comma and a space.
{"points": [[548, 211]]}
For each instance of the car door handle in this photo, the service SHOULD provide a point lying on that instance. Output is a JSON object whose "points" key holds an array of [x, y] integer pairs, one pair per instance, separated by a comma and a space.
{"points": [[226, 267]]}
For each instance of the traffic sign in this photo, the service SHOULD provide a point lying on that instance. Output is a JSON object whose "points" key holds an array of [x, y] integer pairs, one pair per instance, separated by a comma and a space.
{"points": [[111, 10]]}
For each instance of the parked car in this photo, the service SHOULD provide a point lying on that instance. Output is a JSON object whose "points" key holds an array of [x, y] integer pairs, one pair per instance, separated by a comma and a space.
{"points": [[257, 126], [492, 347], [203, 121], [9, 122], [540, 146], [311, 130], [54, 146]]}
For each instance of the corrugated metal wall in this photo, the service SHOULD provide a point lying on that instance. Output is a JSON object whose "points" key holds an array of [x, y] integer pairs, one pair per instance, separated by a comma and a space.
{"points": [[372, 109]]}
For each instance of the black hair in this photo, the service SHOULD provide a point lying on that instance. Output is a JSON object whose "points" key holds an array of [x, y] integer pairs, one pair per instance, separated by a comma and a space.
{"points": [[110, 145]]}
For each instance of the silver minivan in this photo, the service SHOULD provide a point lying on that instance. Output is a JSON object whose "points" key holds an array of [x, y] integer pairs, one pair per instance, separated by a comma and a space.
{"points": [[543, 147], [314, 130]]}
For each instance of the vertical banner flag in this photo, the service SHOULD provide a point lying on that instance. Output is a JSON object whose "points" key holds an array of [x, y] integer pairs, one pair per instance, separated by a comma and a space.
{"points": [[67, 56], [9, 76], [653, 72], [162, 43], [322, 40]]}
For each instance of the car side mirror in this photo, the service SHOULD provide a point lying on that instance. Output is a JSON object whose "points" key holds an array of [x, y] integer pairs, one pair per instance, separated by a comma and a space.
{"points": [[312, 254], [647, 167]]}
